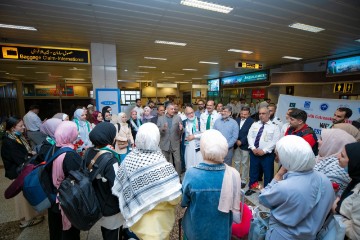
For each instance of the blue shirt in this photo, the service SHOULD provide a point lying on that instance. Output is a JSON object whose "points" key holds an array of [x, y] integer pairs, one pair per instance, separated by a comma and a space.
{"points": [[201, 193], [229, 129], [299, 205]]}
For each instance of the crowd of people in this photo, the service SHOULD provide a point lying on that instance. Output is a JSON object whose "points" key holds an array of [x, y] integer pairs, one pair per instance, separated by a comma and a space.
{"points": [[149, 151]]}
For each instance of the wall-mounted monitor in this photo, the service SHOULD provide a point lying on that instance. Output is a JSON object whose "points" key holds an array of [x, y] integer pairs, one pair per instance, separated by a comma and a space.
{"points": [[214, 85], [245, 78], [343, 66]]}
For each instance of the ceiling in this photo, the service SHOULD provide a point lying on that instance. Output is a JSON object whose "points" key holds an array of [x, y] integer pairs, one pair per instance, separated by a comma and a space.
{"points": [[260, 26]]}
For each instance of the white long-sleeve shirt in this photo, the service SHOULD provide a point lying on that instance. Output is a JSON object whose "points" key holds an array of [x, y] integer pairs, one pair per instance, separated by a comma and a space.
{"points": [[32, 121], [269, 136]]}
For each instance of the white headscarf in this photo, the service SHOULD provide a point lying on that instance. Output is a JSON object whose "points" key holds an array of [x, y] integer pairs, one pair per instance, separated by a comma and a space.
{"points": [[213, 146], [148, 137], [295, 154], [77, 115]]}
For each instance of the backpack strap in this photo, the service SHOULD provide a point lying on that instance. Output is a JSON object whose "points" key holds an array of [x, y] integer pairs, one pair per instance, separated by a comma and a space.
{"points": [[118, 124], [93, 161], [57, 154]]}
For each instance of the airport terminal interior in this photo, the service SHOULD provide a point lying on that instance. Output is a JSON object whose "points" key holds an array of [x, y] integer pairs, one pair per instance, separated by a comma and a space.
{"points": [[62, 55]]}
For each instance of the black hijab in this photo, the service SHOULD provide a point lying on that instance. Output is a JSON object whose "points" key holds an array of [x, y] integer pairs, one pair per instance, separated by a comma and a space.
{"points": [[353, 153], [103, 134], [103, 111]]}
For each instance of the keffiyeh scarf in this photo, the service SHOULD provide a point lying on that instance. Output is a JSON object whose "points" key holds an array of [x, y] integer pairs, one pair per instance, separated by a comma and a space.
{"points": [[143, 180]]}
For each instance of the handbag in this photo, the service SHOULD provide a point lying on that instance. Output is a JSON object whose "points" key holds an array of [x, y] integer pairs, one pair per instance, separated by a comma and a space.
{"points": [[259, 225], [333, 228]]}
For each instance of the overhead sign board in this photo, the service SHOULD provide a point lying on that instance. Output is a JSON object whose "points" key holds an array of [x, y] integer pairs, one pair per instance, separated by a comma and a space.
{"points": [[343, 87], [245, 78], [248, 65], [43, 54]]}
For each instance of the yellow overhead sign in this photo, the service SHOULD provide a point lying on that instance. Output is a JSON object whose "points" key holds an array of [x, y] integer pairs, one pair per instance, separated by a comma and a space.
{"points": [[248, 65]]}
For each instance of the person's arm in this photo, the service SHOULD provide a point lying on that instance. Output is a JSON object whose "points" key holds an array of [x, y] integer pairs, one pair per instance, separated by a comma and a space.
{"points": [[310, 139], [186, 192], [350, 209], [250, 137], [234, 134]]}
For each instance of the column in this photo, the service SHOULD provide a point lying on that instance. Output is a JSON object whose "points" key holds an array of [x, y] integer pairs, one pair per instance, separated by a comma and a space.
{"points": [[103, 61]]}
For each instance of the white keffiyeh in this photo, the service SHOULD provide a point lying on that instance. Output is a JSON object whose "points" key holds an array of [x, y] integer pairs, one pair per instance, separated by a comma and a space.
{"points": [[142, 181]]}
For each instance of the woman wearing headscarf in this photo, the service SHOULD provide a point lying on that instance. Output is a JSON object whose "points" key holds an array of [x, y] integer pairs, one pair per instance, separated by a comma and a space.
{"points": [[329, 164], [348, 204], [15, 151], [62, 116], [123, 137], [102, 136], [147, 117], [299, 197], [148, 187], [134, 123], [96, 118], [211, 192], [48, 128], [59, 225], [106, 113], [350, 129], [83, 127]]}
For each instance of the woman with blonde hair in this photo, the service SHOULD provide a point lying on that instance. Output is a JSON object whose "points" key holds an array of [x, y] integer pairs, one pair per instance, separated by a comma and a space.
{"points": [[123, 136]]}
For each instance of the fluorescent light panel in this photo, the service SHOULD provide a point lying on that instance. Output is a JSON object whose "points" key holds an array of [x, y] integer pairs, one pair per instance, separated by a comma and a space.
{"points": [[178, 74], [200, 86], [166, 85], [196, 78], [146, 67], [156, 58], [306, 27], [17, 27], [141, 72], [189, 69], [293, 58], [169, 77], [240, 51], [357, 40], [74, 79], [207, 6], [25, 67], [171, 43], [214, 63]]}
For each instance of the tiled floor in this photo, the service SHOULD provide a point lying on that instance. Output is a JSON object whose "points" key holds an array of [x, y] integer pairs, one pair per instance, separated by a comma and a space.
{"points": [[9, 229]]}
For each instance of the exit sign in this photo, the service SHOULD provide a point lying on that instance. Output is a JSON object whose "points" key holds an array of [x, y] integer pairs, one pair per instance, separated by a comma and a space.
{"points": [[248, 65]]}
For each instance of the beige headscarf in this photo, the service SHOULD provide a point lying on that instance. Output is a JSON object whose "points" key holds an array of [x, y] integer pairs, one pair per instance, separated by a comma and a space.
{"points": [[350, 129], [295, 154], [333, 142]]}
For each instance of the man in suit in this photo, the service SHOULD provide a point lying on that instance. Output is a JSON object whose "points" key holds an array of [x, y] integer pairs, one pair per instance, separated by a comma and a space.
{"points": [[241, 147], [171, 128]]}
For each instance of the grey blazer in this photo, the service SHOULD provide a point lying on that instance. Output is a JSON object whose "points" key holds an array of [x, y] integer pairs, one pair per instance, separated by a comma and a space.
{"points": [[170, 136]]}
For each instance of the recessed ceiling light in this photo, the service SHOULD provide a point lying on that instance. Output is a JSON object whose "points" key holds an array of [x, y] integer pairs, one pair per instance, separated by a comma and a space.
{"points": [[25, 67], [170, 43], [293, 58], [209, 62], [74, 79], [169, 77], [17, 27], [125, 70], [240, 51], [226, 72], [189, 69], [357, 40], [156, 58], [146, 67], [179, 74], [207, 6], [77, 69], [162, 72], [141, 72], [196, 78], [42, 72], [306, 27]]}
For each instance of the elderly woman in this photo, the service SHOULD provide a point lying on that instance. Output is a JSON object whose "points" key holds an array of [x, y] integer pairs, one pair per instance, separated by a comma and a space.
{"points": [[123, 137], [15, 151], [211, 192], [83, 127], [148, 187], [134, 123], [348, 205], [299, 197], [147, 117], [329, 165]]}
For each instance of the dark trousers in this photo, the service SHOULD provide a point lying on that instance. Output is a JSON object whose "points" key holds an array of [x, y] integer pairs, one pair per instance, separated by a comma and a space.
{"points": [[264, 163], [55, 226], [108, 234]]}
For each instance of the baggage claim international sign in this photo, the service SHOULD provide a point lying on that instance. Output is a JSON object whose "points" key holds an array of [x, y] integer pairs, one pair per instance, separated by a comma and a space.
{"points": [[44, 54]]}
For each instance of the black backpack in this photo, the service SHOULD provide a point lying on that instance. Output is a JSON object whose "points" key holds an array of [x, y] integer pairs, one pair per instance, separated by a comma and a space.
{"points": [[77, 196]]}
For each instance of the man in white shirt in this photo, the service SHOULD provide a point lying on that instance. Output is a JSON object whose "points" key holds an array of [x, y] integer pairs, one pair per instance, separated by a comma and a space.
{"points": [[33, 123], [139, 110], [208, 118], [273, 118], [262, 138]]}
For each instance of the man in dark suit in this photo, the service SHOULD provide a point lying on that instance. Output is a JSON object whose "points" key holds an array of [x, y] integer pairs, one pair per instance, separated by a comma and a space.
{"points": [[241, 150]]}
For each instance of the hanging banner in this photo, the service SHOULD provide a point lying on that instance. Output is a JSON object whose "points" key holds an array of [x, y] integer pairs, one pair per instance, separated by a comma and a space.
{"points": [[258, 93], [320, 110], [108, 97]]}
